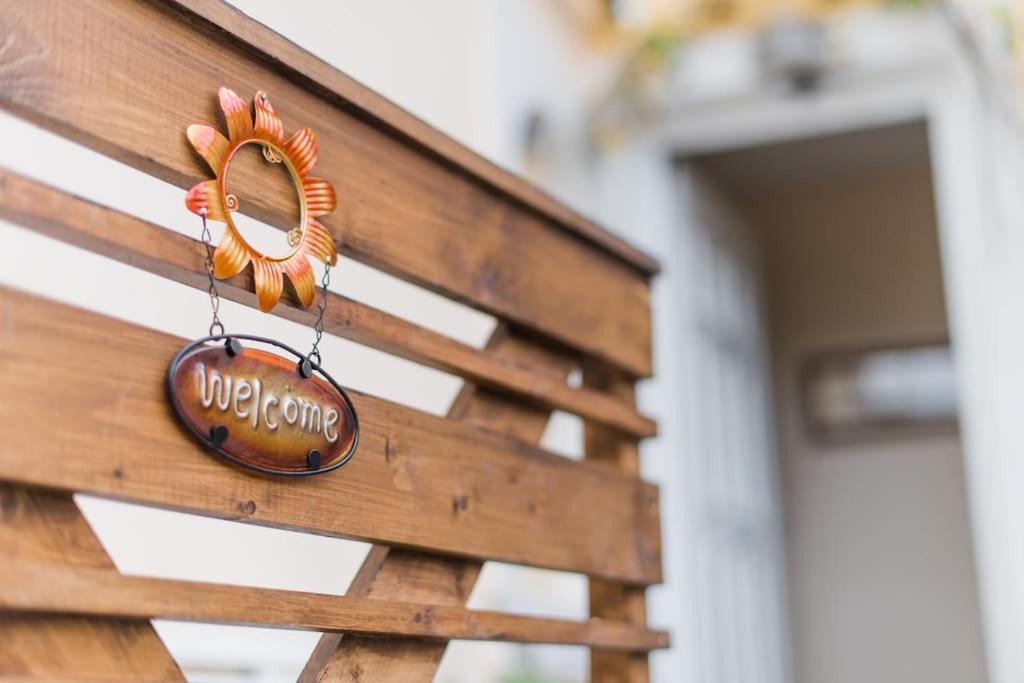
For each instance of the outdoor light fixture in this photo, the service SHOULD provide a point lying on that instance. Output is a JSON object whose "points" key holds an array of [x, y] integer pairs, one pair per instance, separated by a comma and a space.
{"points": [[795, 49]]}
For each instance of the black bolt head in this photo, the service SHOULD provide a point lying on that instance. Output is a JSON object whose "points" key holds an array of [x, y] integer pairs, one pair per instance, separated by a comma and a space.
{"points": [[305, 368], [233, 347], [218, 435], [313, 459]]}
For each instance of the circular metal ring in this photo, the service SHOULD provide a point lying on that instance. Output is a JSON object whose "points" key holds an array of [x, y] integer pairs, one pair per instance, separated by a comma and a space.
{"points": [[232, 204]]}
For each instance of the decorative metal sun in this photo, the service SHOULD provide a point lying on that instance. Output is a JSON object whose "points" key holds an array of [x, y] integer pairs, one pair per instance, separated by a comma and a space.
{"points": [[316, 198]]}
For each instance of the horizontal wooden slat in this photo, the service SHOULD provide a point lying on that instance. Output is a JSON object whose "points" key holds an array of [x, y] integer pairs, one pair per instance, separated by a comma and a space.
{"points": [[387, 114], [155, 249], [87, 392], [36, 587], [400, 209]]}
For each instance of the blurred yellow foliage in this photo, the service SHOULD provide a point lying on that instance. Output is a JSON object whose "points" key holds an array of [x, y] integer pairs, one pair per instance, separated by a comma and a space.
{"points": [[648, 32]]}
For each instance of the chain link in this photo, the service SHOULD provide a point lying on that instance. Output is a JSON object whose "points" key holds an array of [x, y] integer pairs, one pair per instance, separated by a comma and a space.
{"points": [[214, 296], [318, 327]]}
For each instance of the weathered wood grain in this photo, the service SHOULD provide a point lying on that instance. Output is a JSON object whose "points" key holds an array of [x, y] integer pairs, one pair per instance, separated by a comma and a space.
{"points": [[36, 587], [433, 579], [126, 77], [417, 480], [138, 243], [46, 526]]}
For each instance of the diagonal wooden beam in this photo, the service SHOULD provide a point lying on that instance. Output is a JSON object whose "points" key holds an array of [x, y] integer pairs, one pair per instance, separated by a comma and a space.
{"points": [[413, 576], [43, 526]]}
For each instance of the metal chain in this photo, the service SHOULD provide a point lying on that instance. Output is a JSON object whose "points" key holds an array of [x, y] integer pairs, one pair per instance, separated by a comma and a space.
{"points": [[216, 324], [318, 327], [214, 296]]}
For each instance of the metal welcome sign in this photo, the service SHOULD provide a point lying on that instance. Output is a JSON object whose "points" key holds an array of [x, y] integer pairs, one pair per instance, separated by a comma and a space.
{"points": [[261, 410], [237, 393]]}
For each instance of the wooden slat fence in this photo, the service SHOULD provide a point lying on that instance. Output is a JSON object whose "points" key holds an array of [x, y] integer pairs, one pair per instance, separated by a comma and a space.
{"points": [[435, 496]]}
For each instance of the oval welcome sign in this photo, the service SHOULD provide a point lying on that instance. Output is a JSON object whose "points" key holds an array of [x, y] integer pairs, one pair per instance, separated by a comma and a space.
{"points": [[262, 410]]}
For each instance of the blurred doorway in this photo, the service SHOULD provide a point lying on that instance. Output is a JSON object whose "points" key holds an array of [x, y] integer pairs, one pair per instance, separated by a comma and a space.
{"points": [[879, 563]]}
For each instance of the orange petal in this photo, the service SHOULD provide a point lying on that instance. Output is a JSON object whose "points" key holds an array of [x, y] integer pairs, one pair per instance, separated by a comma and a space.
{"points": [[210, 144], [231, 256], [319, 196], [269, 283], [236, 114], [301, 275], [205, 195], [302, 150], [268, 125], [318, 243]]}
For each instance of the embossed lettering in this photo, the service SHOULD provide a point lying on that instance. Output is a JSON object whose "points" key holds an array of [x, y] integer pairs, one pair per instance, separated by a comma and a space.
{"points": [[247, 400], [243, 392], [259, 411], [267, 403], [330, 420], [291, 411], [310, 416]]}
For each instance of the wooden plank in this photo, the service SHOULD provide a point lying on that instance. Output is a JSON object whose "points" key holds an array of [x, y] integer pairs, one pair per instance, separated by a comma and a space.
{"points": [[399, 209], [138, 243], [40, 587], [383, 113], [417, 481], [43, 526], [433, 579], [611, 599]]}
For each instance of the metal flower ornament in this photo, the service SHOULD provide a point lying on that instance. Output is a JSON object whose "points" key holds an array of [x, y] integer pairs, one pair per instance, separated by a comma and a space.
{"points": [[211, 200], [254, 401]]}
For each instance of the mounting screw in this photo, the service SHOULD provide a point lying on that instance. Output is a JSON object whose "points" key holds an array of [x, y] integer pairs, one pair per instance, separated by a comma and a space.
{"points": [[233, 347], [218, 435], [313, 459], [305, 368]]}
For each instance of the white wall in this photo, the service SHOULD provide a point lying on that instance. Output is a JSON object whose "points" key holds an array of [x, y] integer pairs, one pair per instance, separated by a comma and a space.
{"points": [[435, 59]]}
